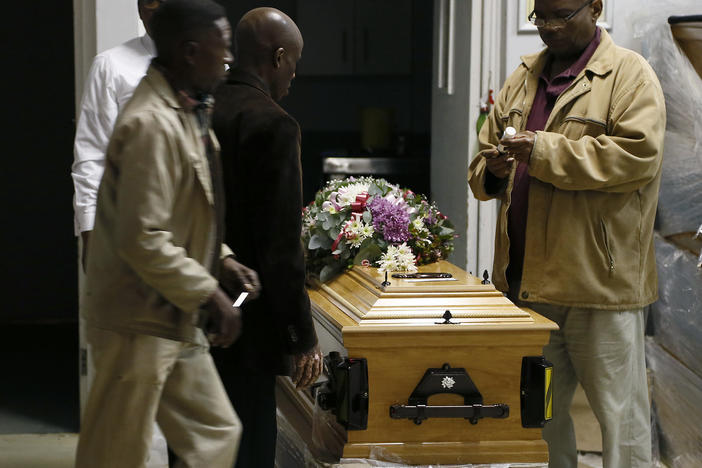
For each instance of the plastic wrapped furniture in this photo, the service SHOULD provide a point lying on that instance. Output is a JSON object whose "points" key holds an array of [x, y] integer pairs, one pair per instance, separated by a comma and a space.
{"points": [[680, 201], [677, 412], [677, 315]]}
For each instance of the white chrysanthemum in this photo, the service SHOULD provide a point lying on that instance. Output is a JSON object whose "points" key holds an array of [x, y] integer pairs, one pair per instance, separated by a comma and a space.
{"points": [[347, 195], [355, 225], [355, 242], [357, 231], [398, 258], [418, 224]]}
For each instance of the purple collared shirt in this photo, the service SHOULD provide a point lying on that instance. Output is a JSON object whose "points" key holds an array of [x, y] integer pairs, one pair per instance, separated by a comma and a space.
{"points": [[545, 99]]}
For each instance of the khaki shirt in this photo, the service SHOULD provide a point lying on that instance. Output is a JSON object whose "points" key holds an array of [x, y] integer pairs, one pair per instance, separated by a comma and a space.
{"points": [[595, 172], [150, 252]]}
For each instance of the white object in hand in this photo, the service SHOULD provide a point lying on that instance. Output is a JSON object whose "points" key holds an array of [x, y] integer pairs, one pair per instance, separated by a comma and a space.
{"points": [[508, 134], [240, 299]]}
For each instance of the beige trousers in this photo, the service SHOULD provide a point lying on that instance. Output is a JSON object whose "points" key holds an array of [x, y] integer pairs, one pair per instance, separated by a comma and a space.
{"points": [[158, 450], [604, 351], [140, 379]]}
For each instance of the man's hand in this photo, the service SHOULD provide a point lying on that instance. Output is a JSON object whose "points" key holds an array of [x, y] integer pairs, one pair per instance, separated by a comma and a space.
{"points": [[520, 146], [497, 163], [85, 237], [236, 277], [307, 367], [224, 325]]}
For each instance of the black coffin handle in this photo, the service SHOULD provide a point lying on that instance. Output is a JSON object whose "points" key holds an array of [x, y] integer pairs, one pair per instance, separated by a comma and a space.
{"points": [[346, 392], [447, 380]]}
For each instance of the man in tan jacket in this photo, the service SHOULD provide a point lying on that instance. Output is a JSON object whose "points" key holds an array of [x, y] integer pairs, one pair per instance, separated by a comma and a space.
{"points": [[578, 186], [154, 259]]}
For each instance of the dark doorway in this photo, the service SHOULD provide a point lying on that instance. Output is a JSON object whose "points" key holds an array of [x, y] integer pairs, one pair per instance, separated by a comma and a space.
{"points": [[38, 317]]}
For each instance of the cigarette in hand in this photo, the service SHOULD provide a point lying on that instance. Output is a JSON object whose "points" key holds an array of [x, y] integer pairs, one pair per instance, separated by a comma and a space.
{"points": [[240, 300]]}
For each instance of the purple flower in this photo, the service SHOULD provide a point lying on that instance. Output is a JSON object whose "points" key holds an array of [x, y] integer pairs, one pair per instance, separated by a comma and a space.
{"points": [[390, 218]]}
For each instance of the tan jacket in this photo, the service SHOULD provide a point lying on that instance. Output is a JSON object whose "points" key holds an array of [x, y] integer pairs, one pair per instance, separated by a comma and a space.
{"points": [[595, 176], [151, 250]]}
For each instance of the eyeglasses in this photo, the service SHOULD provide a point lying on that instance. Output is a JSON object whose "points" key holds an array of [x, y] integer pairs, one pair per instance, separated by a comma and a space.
{"points": [[555, 23], [152, 4]]}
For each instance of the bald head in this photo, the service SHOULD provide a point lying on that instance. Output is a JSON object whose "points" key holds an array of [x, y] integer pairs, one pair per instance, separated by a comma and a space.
{"points": [[268, 43], [263, 30]]}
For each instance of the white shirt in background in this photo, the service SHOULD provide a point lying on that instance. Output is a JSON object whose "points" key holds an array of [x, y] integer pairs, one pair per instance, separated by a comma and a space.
{"points": [[112, 78], [111, 81]]}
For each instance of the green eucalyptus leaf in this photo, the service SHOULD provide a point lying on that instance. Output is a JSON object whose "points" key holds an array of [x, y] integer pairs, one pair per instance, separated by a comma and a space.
{"points": [[319, 242], [445, 231], [328, 272], [368, 251], [329, 222], [373, 190]]}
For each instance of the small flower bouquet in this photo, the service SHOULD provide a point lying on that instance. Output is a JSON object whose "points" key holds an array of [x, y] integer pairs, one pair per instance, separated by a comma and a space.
{"points": [[370, 222]]}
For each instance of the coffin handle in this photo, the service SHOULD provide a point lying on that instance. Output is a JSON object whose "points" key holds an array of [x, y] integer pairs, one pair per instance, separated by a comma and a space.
{"points": [[447, 379]]}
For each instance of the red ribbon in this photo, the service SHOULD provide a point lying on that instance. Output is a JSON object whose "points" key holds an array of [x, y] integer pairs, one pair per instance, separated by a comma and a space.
{"points": [[360, 204], [336, 242]]}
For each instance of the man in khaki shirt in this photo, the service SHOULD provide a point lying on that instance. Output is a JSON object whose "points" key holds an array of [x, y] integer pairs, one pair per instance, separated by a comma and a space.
{"points": [[154, 259], [578, 186]]}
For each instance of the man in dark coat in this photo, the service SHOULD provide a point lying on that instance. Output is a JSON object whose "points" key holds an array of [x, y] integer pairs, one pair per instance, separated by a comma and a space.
{"points": [[261, 159]]}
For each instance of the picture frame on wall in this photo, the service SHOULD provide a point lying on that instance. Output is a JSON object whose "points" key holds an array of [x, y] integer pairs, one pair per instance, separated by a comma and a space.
{"points": [[527, 6]]}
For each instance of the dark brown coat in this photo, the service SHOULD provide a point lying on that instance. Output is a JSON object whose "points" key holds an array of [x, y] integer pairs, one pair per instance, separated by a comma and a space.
{"points": [[263, 179]]}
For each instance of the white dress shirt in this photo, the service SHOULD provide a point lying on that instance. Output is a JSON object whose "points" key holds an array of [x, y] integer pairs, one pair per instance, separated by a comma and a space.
{"points": [[111, 81]]}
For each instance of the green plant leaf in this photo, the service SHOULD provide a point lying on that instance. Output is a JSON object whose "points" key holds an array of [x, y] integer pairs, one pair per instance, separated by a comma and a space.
{"points": [[328, 272], [328, 221], [445, 231], [319, 242], [368, 251]]}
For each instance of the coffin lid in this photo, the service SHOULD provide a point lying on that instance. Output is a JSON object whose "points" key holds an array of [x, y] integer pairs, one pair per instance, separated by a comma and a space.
{"points": [[359, 293]]}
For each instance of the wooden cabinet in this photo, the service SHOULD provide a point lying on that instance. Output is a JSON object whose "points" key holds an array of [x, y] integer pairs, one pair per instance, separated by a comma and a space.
{"points": [[355, 37], [327, 28]]}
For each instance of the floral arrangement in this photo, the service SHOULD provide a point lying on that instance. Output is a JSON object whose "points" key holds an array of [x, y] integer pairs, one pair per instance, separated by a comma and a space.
{"points": [[368, 221]]}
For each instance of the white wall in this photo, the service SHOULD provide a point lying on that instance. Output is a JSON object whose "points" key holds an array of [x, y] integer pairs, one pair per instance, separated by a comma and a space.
{"points": [[117, 21], [98, 26], [454, 87]]}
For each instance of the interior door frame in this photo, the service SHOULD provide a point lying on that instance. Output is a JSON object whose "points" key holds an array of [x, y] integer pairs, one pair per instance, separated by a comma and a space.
{"points": [[467, 62]]}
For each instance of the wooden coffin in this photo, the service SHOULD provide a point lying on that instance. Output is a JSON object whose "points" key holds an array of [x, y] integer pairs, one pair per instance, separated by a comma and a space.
{"points": [[398, 329]]}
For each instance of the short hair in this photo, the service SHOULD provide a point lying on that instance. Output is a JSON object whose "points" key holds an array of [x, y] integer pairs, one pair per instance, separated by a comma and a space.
{"points": [[179, 20]]}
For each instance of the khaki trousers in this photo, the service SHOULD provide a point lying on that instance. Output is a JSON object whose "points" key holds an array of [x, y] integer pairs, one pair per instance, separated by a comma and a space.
{"points": [[158, 450], [140, 379], [604, 351]]}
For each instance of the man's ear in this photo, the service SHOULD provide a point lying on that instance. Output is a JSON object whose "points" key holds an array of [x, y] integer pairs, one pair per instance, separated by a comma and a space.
{"points": [[190, 49], [278, 57], [596, 9]]}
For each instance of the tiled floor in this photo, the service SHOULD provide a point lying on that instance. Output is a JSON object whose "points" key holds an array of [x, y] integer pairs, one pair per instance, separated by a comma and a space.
{"points": [[37, 450]]}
